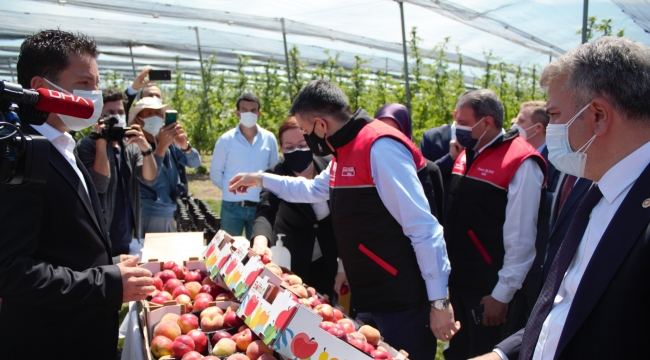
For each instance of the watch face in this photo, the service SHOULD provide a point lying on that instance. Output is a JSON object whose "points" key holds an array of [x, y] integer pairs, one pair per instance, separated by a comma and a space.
{"points": [[438, 305]]}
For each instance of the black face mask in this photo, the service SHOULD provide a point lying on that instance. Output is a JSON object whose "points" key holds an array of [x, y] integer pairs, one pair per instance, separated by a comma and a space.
{"points": [[317, 145], [298, 160]]}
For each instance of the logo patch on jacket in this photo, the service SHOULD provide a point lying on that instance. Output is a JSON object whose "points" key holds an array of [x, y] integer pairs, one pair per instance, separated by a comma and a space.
{"points": [[348, 171]]}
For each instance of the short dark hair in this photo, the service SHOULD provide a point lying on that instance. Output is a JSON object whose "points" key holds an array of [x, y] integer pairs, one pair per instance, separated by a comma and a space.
{"points": [[320, 98], [46, 54], [484, 102], [110, 95], [249, 97]]}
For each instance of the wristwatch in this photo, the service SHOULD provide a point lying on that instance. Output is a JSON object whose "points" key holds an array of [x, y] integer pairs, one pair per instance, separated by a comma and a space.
{"points": [[95, 135], [146, 153], [440, 304], [188, 148]]}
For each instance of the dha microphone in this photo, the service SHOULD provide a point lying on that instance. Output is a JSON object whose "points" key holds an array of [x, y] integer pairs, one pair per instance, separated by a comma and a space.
{"points": [[48, 100]]}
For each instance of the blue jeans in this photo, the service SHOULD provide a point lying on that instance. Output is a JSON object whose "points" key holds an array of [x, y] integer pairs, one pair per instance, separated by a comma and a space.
{"points": [[235, 217]]}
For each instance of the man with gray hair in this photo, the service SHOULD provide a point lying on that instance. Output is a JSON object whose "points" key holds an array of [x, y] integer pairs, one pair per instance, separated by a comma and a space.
{"points": [[594, 302], [491, 225]]}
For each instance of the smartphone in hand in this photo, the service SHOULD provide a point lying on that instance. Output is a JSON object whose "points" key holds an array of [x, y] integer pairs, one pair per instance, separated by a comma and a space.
{"points": [[160, 75], [171, 116], [477, 314]]}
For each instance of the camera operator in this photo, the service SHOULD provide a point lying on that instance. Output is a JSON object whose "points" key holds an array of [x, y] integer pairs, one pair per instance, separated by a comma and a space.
{"points": [[57, 276], [172, 151], [117, 161]]}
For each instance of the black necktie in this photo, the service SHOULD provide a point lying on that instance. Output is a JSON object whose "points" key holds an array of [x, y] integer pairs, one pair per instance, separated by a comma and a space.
{"points": [[558, 269]]}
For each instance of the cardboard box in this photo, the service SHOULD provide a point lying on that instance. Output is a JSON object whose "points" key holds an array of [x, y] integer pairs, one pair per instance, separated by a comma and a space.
{"points": [[172, 246], [267, 308], [303, 338]]}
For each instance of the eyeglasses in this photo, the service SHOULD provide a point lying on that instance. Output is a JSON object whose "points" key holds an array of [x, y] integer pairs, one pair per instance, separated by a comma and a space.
{"points": [[291, 147]]}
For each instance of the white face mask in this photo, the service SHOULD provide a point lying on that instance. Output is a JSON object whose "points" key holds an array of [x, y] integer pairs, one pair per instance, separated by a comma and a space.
{"points": [[559, 148], [522, 131], [153, 124], [248, 119], [75, 123], [121, 120]]}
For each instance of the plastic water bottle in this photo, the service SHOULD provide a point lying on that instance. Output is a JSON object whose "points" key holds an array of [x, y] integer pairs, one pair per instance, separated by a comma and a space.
{"points": [[281, 255]]}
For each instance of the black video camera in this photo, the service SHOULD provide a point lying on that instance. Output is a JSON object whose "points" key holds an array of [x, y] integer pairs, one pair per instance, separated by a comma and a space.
{"points": [[110, 132]]}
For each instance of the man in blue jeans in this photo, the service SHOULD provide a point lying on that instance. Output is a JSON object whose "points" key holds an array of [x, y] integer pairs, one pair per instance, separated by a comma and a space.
{"points": [[246, 148]]}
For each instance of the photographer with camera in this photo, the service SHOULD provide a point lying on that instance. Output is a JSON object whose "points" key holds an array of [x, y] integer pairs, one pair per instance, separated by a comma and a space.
{"points": [[118, 159], [56, 254], [172, 151]]}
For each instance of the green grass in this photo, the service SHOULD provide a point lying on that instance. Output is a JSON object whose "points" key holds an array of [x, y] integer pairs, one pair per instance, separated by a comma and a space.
{"points": [[215, 205]]}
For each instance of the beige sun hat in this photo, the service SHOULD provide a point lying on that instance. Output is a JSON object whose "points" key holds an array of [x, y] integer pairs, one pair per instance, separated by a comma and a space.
{"points": [[147, 103]]}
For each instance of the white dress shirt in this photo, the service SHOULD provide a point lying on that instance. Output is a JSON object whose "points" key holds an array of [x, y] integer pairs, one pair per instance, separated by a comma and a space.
{"points": [[399, 188], [519, 228], [614, 185], [65, 144], [233, 154]]}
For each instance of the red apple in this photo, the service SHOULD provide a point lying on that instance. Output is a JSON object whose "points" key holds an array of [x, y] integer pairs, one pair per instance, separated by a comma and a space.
{"points": [[204, 295], [203, 273], [220, 334], [224, 297], [159, 300], [169, 265], [201, 303], [192, 276], [172, 284], [193, 287], [338, 332], [165, 275], [348, 325], [358, 343], [368, 348], [168, 329], [325, 311], [158, 283], [200, 341], [266, 357], [182, 345], [161, 346], [338, 314], [314, 301], [192, 355], [243, 339], [213, 290], [242, 328], [326, 325], [256, 349], [380, 355], [184, 300], [212, 358], [180, 272], [181, 290], [265, 259], [188, 322], [231, 319], [166, 295]]}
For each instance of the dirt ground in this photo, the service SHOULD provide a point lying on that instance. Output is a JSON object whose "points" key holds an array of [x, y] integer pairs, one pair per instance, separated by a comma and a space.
{"points": [[202, 187]]}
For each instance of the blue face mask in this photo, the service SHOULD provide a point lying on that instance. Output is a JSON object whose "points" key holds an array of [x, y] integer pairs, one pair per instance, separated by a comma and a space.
{"points": [[464, 135]]}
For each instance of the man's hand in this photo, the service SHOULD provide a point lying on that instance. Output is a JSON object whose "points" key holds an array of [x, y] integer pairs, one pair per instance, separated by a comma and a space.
{"points": [[98, 128], [181, 139], [137, 283], [489, 356], [442, 323], [261, 246], [137, 138], [339, 280], [165, 138], [139, 81], [241, 182], [495, 311], [455, 148]]}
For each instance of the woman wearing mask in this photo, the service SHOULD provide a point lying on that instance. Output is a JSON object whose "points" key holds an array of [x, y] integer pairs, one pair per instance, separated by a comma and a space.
{"points": [[397, 116], [169, 144], [308, 227]]}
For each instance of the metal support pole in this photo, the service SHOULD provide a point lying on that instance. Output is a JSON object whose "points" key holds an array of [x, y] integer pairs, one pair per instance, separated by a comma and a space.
{"points": [[205, 86], [132, 61], [11, 70], [406, 66], [286, 58], [585, 19]]}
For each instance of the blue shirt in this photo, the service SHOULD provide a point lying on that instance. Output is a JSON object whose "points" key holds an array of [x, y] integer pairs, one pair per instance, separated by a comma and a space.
{"points": [[399, 188], [233, 154], [156, 200]]}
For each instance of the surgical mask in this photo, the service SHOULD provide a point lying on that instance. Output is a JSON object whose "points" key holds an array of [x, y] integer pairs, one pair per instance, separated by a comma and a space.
{"points": [[248, 119], [464, 135], [316, 144], [522, 131], [75, 123], [153, 124], [121, 120], [298, 160], [559, 148]]}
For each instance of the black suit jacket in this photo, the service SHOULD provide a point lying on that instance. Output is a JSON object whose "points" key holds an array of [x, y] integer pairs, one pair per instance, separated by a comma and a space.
{"points": [[435, 147], [609, 315], [56, 274], [298, 222]]}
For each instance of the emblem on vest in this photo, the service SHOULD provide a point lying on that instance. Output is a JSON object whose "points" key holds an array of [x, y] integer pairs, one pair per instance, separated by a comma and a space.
{"points": [[348, 171], [459, 165], [333, 173], [485, 172]]}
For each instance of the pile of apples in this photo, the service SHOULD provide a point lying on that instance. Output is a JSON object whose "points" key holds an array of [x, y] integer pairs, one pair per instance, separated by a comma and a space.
{"points": [[194, 289], [186, 337], [302, 294]]}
